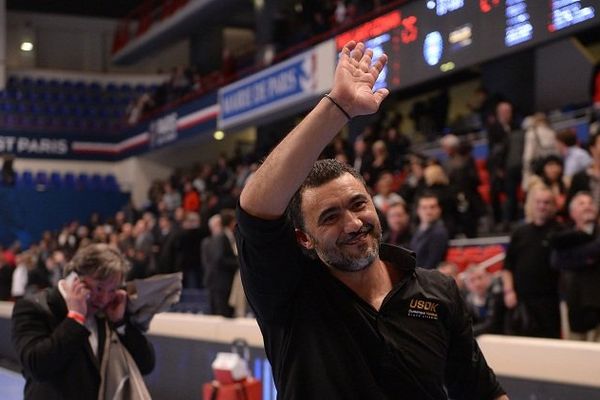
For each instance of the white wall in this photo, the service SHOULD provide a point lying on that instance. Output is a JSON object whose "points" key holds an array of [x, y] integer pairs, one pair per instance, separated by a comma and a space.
{"points": [[77, 43], [2, 44], [139, 172], [200, 149]]}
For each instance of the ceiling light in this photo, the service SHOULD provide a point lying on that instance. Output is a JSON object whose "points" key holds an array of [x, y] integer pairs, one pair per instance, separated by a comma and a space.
{"points": [[219, 135], [26, 46]]}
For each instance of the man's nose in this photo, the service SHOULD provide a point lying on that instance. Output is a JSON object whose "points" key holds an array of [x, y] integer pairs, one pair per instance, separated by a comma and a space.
{"points": [[352, 222]]}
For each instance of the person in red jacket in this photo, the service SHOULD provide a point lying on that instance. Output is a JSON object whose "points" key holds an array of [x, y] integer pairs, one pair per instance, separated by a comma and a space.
{"points": [[191, 198]]}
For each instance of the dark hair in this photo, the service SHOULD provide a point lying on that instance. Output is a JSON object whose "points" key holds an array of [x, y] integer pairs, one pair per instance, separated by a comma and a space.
{"points": [[428, 194], [227, 216], [568, 137], [553, 158], [399, 203], [322, 172], [593, 139]]}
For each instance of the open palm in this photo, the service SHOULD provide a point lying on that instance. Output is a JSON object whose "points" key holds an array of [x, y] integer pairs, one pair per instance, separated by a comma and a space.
{"points": [[354, 80]]}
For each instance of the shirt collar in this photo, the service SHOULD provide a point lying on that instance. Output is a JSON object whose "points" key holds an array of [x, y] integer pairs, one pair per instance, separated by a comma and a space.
{"points": [[398, 256]]}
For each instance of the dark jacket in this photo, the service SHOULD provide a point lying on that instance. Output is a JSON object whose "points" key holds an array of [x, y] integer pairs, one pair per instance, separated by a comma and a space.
{"points": [[55, 354], [430, 245]]}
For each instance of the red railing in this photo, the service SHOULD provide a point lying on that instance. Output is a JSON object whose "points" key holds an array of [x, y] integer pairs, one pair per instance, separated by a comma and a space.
{"points": [[216, 79], [142, 18]]}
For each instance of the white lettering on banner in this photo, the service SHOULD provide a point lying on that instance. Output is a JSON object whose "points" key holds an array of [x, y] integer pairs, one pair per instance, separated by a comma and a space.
{"points": [[241, 100], [282, 83], [7, 143], [20, 145], [261, 92], [163, 130]]}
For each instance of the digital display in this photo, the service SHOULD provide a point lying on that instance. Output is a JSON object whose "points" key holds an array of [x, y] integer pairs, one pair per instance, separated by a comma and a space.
{"points": [[424, 39]]}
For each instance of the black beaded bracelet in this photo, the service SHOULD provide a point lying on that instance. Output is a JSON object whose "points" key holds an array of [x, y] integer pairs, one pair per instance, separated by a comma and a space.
{"points": [[338, 106]]}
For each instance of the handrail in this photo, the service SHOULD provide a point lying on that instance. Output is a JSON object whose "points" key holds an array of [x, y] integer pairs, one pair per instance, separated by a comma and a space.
{"points": [[289, 52]]}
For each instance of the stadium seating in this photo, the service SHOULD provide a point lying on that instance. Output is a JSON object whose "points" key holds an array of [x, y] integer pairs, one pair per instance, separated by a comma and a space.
{"points": [[44, 180], [463, 256], [71, 106]]}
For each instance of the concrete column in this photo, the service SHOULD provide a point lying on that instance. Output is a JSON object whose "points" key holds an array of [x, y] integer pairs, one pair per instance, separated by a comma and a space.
{"points": [[206, 49], [2, 44], [264, 11]]}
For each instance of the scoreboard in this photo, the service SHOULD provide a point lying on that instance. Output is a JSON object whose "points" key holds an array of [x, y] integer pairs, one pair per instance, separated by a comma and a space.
{"points": [[427, 38]]}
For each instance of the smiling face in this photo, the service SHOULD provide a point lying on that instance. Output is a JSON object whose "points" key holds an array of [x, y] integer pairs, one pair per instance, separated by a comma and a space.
{"points": [[340, 224]]}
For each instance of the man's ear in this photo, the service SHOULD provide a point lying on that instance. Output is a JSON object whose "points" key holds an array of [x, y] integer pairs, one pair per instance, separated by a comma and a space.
{"points": [[304, 239]]}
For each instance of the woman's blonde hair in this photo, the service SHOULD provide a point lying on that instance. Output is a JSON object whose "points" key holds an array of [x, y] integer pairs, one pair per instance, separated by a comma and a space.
{"points": [[434, 174]]}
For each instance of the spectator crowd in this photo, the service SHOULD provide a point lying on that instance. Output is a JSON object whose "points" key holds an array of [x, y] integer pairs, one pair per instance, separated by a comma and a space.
{"points": [[542, 187]]}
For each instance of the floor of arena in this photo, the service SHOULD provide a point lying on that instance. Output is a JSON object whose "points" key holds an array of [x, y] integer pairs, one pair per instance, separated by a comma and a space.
{"points": [[11, 385]]}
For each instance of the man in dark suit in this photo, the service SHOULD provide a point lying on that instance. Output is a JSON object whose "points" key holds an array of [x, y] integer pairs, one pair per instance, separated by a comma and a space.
{"points": [[225, 265], [209, 253], [430, 241], [59, 334]]}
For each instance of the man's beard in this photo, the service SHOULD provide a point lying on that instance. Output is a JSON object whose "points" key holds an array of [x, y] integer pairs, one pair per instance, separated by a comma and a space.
{"points": [[336, 257]]}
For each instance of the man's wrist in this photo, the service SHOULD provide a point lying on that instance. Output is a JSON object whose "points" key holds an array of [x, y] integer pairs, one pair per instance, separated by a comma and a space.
{"points": [[336, 103], [507, 291], [77, 316]]}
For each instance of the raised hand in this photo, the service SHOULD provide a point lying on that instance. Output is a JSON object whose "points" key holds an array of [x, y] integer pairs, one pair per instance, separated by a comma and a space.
{"points": [[76, 295], [115, 311], [354, 80]]}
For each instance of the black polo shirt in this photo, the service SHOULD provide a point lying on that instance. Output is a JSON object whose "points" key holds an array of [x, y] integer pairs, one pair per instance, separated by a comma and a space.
{"points": [[325, 342]]}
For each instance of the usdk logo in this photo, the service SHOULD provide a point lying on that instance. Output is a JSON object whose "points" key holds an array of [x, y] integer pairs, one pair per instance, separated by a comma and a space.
{"points": [[423, 309]]}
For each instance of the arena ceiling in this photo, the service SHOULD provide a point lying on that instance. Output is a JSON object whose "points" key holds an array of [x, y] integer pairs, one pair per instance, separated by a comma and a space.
{"points": [[93, 8]]}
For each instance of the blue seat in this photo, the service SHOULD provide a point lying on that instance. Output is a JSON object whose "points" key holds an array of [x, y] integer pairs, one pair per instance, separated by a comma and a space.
{"points": [[140, 88], [95, 87], [83, 181], [41, 178], [69, 180], [54, 84], [67, 85], [26, 82], [12, 81], [95, 182], [41, 84], [80, 86], [56, 180], [125, 88], [111, 184], [111, 88], [13, 121], [25, 180]]}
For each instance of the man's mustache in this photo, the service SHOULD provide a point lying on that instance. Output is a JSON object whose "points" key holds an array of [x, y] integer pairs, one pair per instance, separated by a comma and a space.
{"points": [[365, 229]]}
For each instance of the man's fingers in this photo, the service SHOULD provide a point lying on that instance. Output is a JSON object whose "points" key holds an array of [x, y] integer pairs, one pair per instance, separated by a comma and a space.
{"points": [[380, 95], [347, 49], [365, 61], [380, 63], [358, 51]]}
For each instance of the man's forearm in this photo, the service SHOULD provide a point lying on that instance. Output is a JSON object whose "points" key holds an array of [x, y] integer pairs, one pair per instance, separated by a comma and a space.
{"points": [[273, 185]]}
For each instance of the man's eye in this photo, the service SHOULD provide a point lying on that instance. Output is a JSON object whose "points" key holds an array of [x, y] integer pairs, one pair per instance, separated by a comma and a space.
{"points": [[359, 204], [328, 219]]}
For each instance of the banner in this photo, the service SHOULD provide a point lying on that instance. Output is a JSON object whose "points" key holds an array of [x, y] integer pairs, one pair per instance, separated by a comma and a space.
{"points": [[194, 118], [281, 86]]}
